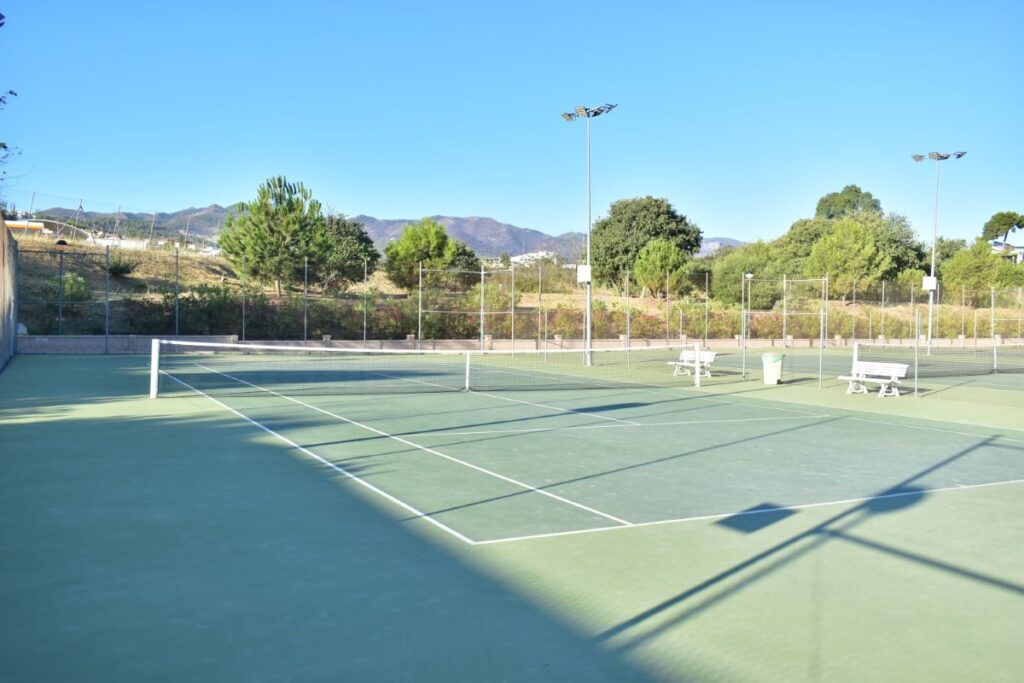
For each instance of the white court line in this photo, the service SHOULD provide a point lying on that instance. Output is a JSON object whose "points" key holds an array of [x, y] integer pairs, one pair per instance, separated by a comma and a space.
{"points": [[417, 513], [532, 430], [993, 437], [701, 518], [425, 449]]}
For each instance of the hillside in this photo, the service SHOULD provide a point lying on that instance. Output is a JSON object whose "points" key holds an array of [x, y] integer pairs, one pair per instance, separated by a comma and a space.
{"points": [[486, 236]]}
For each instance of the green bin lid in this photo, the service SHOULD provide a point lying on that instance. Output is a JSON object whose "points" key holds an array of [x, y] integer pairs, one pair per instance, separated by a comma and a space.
{"points": [[774, 357]]}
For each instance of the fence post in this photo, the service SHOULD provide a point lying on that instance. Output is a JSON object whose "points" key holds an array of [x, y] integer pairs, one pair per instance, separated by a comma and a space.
{"points": [[707, 306], [785, 297], [540, 294], [177, 269], [992, 331], [963, 310], [881, 322], [60, 291], [106, 302], [305, 298], [1020, 310], [481, 306], [513, 309], [366, 295], [243, 298], [853, 333], [419, 308], [629, 322]]}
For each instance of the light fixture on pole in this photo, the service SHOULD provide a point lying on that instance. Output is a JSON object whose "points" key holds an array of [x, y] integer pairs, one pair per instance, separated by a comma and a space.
{"points": [[585, 275], [930, 282]]}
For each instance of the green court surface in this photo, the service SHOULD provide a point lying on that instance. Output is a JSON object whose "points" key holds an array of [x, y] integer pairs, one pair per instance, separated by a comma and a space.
{"points": [[731, 532]]}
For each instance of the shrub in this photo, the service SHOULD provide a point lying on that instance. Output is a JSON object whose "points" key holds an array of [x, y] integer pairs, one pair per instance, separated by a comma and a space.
{"points": [[122, 264]]}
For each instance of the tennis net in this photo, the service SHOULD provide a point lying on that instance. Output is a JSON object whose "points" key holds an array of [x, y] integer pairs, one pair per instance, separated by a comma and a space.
{"points": [[948, 361], [181, 367]]}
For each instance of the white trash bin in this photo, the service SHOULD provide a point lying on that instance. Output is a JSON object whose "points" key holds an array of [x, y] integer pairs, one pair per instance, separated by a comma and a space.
{"points": [[771, 364]]}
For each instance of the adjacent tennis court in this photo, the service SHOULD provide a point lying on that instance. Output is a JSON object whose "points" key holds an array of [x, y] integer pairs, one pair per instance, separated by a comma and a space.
{"points": [[275, 515]]}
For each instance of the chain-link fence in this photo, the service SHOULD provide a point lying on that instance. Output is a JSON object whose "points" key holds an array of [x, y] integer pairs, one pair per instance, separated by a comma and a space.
{"points": [[173, 291]]}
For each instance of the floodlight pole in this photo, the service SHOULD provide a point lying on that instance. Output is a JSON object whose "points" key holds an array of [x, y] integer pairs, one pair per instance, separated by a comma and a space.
{"points": [[588, 322], [938, 157]]}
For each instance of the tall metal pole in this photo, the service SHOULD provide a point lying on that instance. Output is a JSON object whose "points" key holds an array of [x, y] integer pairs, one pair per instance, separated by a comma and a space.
{"points": [[588, 113], [935, 238], [588, 331], [938, 157]]}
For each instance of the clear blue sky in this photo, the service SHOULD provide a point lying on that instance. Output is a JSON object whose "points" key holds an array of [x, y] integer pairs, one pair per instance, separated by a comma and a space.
{"points": [[741, 114]]}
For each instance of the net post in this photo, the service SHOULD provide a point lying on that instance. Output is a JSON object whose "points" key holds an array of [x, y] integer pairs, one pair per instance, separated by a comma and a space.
{"points": [[154, 368], [468, 357]]}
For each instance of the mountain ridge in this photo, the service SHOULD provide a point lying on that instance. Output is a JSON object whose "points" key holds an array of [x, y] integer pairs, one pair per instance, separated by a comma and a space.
{"points": [[485, 236]]}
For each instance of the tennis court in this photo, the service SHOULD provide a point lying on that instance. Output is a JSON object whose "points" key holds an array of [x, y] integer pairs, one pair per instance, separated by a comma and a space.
{"points": [[528, 529]]}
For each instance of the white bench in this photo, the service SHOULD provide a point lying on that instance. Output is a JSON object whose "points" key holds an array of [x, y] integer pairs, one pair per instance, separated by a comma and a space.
{"points": [[886, 375], [691, 361]]}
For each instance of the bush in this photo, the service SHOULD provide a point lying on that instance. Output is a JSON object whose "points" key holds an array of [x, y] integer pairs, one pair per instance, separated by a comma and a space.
{"points": [[122, 264], [75, 288]]}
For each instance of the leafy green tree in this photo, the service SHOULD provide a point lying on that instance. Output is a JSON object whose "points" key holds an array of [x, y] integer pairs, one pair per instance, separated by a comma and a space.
{"points": [[271, 235], [945, 249], [979, 268], [1002, 224], [851, 200], [617, 239], [344, 251], [660, 267], [895, 240], [849, 255], [727, 271], [793, 248], [427, 242]]}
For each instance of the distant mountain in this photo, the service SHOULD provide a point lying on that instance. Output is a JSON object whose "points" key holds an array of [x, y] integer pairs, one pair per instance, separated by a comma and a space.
{"points": [[709, 245], [486, 236], [206, 221]]}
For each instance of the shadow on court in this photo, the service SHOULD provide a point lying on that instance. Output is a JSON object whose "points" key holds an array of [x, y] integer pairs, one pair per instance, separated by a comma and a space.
{"points": [[142, 546], [697, 599]]}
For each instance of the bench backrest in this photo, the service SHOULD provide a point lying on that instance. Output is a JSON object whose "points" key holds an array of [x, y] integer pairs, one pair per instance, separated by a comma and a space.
{"points": [[866, 368], [689, 356]]}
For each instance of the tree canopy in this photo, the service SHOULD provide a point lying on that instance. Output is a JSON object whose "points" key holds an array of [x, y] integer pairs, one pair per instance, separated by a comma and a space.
{"points": [[979, 268], [850, 253], [346, 251], [851, 200], [618, 238], [427, 242], [1002, 224], [660, 267], [272, 234], [275, 235]]}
